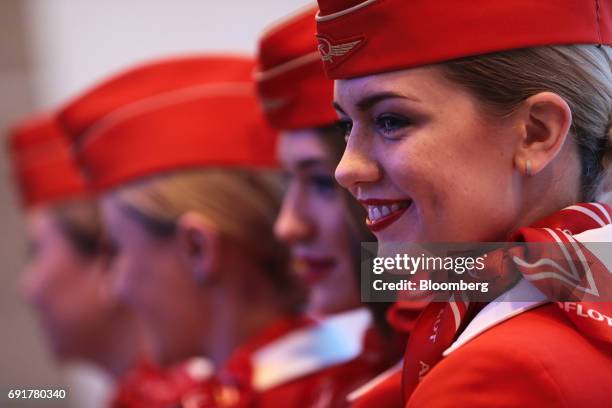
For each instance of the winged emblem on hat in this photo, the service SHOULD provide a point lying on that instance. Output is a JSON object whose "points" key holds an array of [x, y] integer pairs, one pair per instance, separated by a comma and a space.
{"points": [[328, 50]]}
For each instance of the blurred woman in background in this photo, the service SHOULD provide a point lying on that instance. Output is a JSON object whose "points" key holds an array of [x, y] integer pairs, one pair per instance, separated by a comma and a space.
{"points": [[322, 224], [66, 276], [153, 382], [190, 199]]}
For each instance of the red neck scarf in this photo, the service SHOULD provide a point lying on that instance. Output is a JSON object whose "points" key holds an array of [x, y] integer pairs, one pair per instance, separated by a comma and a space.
{"points": [[582, 277]]}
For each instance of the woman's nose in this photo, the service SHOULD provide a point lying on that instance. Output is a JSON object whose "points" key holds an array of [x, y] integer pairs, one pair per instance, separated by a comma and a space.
{"points": [[30, 286], [357, 165], [293, 225]]}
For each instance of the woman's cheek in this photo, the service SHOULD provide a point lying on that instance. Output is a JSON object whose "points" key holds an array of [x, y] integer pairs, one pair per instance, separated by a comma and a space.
{"points": [[122, 281]]}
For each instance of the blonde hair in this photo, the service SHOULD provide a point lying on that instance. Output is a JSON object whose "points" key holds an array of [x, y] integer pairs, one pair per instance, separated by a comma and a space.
{"points": [[580, 74], [242, 203]]}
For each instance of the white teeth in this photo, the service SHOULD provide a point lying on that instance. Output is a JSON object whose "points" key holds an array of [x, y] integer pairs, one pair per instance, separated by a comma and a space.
{"points": [[376, 213]]}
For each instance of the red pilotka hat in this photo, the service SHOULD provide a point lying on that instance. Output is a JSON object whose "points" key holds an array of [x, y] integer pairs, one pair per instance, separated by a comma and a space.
{"points": [[359, 38], [214, 124], [147, 80], [292, 86], [43, 164]]}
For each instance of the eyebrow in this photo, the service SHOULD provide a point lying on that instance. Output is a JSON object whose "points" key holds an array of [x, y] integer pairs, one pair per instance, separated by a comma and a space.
{"points": [[369, 101]]}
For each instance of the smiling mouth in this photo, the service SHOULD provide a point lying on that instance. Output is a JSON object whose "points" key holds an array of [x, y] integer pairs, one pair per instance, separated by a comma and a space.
{"points": [[382, 213]]}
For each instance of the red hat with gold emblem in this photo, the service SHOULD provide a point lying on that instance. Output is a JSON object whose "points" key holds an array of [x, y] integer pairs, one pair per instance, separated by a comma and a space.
{"points": [[43, 164], [147, 80], [293, 88], [211, 125], [358, 38]]}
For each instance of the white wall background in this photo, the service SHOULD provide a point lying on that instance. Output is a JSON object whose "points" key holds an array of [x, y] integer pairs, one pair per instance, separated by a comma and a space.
{"points": [[52, 49], [75, 42]]}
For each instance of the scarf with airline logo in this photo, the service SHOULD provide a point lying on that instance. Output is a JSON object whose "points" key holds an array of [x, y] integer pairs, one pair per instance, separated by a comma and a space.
{"points": [[567, 269]]}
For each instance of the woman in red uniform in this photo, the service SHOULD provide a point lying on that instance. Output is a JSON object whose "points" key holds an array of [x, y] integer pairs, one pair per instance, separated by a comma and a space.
{"points": [[66, 278], [179, 366], [320, 222], [190, 198], [488, 121]]}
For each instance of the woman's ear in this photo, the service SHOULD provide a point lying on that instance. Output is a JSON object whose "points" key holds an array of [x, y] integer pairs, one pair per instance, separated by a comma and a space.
{"points": [[545, 119], [199, 245]]}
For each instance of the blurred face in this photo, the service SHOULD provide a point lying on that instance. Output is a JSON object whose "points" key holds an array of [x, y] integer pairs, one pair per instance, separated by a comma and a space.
{"points": [[313, 223], [424, 160], [65, 288], [150, 276]]}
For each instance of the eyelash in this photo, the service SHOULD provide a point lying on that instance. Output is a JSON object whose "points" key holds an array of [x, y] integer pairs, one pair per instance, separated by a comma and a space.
{"points": [[386, 123], [323, 184], [345, 126], [389, 124]]}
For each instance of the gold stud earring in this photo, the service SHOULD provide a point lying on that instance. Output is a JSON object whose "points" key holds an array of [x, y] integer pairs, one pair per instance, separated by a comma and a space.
{"points": [[528, 168]]}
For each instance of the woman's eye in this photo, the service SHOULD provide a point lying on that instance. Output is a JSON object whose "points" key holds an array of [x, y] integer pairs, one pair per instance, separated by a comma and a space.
{"points": [[323, 183], [345, 126], [390, 124]]}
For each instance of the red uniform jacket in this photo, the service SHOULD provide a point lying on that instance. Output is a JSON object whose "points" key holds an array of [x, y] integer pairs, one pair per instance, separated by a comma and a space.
{"points": [[149, 386], [385, 390], [313, 366], [516, 353], [536, 359], [524, 354]]}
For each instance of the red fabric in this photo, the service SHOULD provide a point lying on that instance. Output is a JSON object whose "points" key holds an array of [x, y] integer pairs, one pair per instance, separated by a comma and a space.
{"points": [[43, 164], [534, 360], [438, 326], [292, 86], [215, 124], [147, 80], [388, 35], [150, 386], [402, 315], [324, 388], [386, 394], [381, 352]]}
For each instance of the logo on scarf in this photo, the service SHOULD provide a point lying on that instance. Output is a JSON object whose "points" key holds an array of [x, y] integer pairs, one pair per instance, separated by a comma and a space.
{"points": [[576, 271], [436, 325], [424, 369]]}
